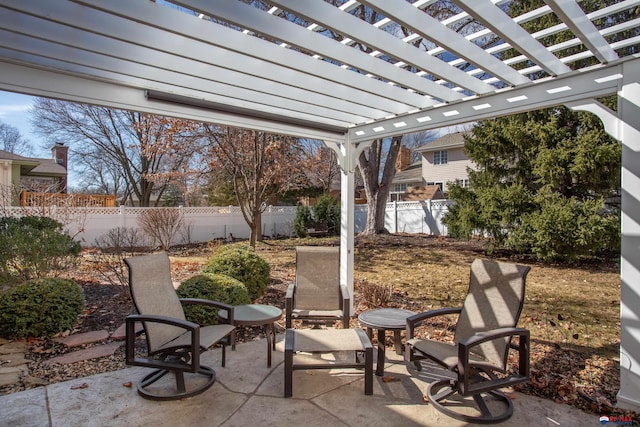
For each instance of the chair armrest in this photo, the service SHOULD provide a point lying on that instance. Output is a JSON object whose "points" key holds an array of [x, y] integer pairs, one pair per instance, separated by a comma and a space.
{"points": [[130, 321], [289, 304], [216, 304], [464, 350], [416, 320], [291, 290]]}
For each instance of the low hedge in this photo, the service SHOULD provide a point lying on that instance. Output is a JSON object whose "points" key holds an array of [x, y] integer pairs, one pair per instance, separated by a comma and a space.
{"points": [[243, 264], [40, 308], [214, 287]]}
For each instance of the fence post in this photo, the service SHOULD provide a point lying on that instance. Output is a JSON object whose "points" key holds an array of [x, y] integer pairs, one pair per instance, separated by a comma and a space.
{"points": [[395, 216], [121, 220]]}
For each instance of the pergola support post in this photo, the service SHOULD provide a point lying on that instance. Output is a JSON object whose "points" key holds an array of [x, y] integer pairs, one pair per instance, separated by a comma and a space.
{"points": [[347, 231], [625, 126], [629, 113], [347, 156]]}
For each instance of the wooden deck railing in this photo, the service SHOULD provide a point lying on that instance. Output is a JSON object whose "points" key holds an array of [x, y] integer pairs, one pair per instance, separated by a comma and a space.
{"points": [[28, 198]]}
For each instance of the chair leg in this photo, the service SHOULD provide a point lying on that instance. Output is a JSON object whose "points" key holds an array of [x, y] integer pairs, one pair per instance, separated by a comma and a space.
{"points": [[180, 386], [438, 392], [288, 373], [180, 382], [224, 355], [288, 362]]}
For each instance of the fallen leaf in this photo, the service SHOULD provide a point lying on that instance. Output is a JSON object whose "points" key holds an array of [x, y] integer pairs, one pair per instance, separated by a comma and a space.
{"points": [[127, 384], [79, 386], [387, 379]]}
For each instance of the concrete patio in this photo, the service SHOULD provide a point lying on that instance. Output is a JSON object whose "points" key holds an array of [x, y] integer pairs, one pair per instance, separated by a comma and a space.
{"points": [[247, 393]]}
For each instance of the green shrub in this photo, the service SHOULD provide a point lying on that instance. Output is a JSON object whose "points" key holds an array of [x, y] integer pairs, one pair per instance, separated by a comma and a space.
{"points": [[302, 221], [32, 247], [243, 264], [40, 308], [327, 210], [215, 287]]}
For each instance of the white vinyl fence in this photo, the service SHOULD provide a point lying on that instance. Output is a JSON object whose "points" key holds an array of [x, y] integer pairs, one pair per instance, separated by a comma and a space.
{"points": [[201, 224]]}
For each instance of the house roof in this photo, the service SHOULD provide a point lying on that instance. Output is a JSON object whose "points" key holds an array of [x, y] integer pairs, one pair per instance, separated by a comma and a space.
{"points": [[31, 166], [6, 155], [451, 140], [48, 167], [427, 192], [409, 175], [297, 68]]}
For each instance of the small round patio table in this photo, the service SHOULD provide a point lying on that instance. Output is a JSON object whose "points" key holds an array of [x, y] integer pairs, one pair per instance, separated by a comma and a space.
{"points": [[384, 319], [257, 315]]}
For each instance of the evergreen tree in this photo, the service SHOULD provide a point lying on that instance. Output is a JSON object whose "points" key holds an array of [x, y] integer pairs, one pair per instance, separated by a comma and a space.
{"points": [[546, 183]]}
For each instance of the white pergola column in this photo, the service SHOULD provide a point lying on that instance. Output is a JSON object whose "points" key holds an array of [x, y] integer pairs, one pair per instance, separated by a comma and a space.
{"points": [[625, 127], [629, 113], [347, 155], [347, 231]]}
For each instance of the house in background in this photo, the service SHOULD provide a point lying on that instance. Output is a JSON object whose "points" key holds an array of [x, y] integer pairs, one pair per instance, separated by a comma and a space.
{"points": [[408, 175], [34, 174], [442, 161]]}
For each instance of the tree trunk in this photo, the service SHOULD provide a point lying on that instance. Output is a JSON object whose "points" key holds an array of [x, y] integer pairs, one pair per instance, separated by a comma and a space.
{"points": [[257, 219], [377, 191]]}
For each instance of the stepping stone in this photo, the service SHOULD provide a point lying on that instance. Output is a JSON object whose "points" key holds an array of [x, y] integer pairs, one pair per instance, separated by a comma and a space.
{"points": [[11, 375], [120, 333], [76, 340], [14, 359], [13, 347], [33, 381], [86, 354]]}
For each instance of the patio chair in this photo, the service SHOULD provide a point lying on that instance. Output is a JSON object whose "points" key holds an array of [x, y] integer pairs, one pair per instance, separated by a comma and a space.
{"points": [[317, 297], [477, 358], [174, 344]]}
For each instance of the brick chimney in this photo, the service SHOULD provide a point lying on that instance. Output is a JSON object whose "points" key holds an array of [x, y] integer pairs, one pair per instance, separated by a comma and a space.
{"points": [[404, 159], [60, 154]]}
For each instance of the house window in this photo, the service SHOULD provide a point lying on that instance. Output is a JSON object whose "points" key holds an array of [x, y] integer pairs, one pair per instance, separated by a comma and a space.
{"points": [[400, 188], [440, 157], [439, 184]]}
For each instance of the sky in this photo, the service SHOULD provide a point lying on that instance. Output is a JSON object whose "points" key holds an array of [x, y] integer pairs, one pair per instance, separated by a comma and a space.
{"points": [[14, 111]]}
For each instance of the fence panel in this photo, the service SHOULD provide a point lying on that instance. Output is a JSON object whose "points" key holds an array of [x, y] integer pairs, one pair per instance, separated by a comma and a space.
{"points": [[201, 224]]}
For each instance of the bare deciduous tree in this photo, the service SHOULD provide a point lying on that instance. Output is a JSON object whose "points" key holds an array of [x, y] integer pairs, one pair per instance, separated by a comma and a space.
{"points": [[12, 141], [321, 165], [260, 165], [377, 184], [144, 151]]}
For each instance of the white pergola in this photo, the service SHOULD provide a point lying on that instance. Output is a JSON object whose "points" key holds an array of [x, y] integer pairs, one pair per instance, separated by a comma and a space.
{"points": [[228, 62]]}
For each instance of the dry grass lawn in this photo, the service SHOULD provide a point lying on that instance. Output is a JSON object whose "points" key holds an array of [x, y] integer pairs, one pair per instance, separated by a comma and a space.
{"points": [[571, 310]]}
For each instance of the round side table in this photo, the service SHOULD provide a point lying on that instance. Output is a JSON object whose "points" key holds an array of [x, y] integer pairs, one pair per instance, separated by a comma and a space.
{"points": [[257, 315], [384, 319]]}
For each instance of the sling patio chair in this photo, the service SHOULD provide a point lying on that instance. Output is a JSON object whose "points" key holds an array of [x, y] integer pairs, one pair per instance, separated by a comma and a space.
{"points": [[477, 358], [317, 297], [174, 344]]}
